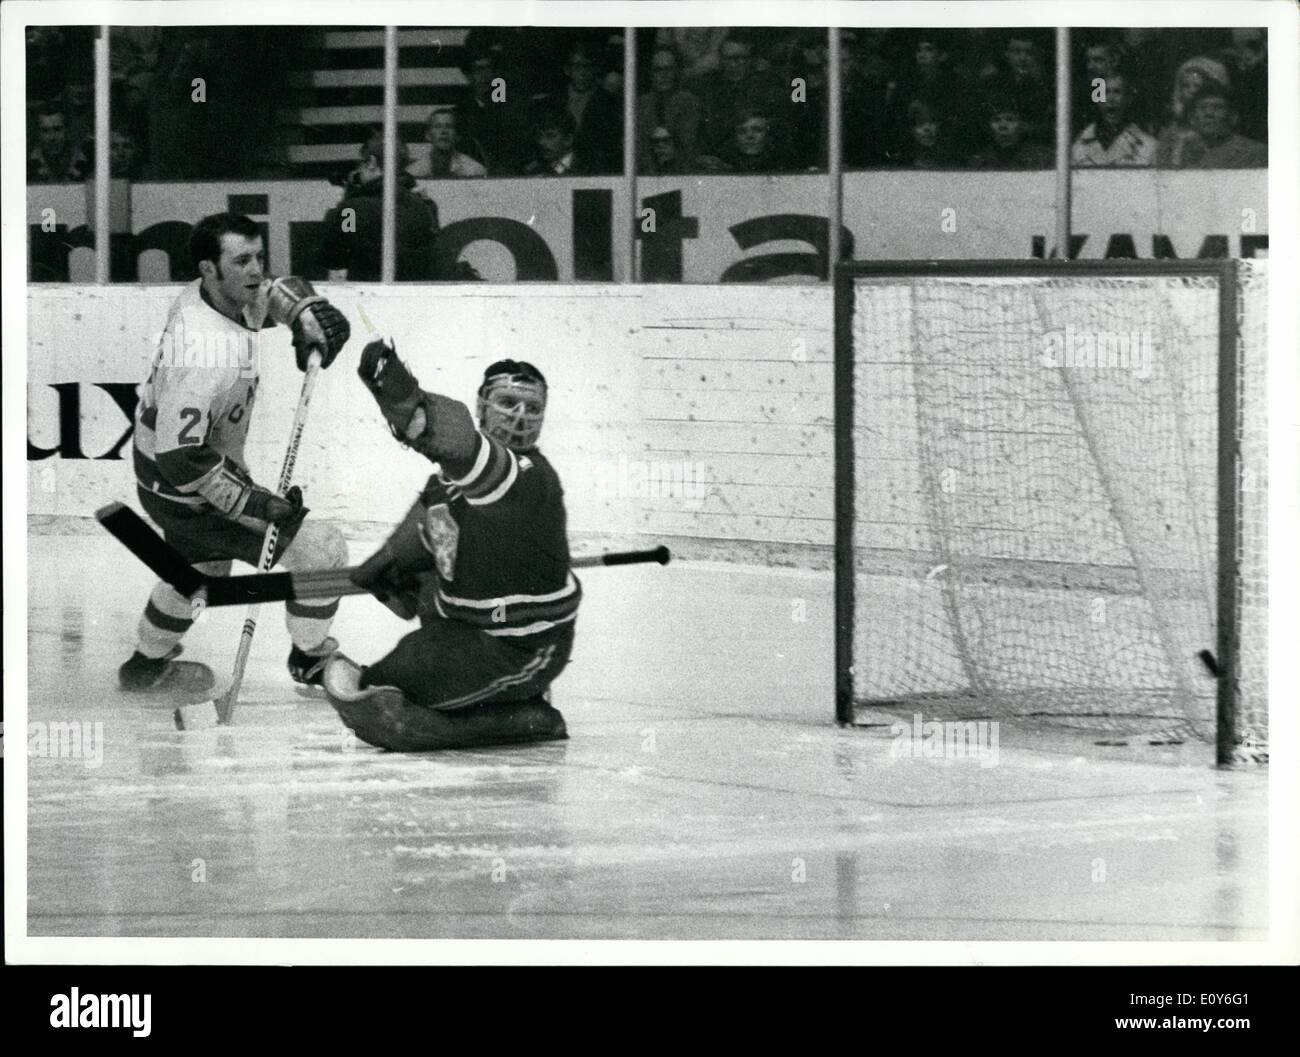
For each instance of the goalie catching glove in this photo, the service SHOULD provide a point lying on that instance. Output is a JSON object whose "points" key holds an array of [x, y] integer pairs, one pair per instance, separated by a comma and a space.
{"points": [[396, 391], [316, 324], [391, 574]]}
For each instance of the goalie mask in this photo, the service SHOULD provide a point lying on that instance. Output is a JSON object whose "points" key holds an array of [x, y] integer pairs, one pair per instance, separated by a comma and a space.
{"points": [[512, 404]]}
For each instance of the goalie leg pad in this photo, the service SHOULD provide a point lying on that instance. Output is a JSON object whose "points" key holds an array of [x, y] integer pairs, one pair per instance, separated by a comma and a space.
{"points": [[384, 717]]}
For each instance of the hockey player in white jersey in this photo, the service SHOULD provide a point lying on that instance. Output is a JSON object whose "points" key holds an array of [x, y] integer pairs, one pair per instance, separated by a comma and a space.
{"points": [[190, 426]]}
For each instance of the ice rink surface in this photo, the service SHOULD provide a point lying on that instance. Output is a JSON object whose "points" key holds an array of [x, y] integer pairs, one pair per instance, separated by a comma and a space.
{"points": [[705, 793]]}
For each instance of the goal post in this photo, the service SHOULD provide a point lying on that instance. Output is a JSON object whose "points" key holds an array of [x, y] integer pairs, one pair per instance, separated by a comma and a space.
{"points": [[1050, 496]]}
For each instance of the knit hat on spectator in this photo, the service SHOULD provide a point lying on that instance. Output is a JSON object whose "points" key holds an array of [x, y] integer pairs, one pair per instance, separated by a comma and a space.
{"points": [[1209, 69]]}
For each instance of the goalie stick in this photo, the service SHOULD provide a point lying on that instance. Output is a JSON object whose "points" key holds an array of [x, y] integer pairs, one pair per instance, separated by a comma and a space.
{"points": [[130, 529]]}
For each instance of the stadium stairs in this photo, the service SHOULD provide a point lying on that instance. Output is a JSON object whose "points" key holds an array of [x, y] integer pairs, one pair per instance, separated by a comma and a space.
{"points": [[339, 94]]}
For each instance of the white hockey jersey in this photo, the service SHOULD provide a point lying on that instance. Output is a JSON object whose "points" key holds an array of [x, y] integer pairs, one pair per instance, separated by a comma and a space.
{"points": [[197, 402]]}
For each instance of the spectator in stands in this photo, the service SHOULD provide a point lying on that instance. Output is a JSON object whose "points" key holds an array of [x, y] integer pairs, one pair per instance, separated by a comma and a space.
{"points": [[133, 50], [1020, 75], [670, 109], [1101, 58], [133, 58], [698, 46], [663, 157], [492, 131], [443, 158], [736, 87], [523, 56], [1113, 139], [554, 135], [1098, 58], [78, 105], [55, 158], [48, 48], [1214, 143], [928, 145], [864, 102], [124, 161], [1193, 75], [597, 115], [611, 81], [930, 79], [1008, 146], [930, 76], [806, 60], [353, 230], [753, 148], [1145, 57], [1249, 60]]}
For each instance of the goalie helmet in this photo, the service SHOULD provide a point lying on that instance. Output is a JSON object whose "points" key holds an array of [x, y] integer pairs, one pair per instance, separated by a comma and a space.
{"points": [[512, 404]]}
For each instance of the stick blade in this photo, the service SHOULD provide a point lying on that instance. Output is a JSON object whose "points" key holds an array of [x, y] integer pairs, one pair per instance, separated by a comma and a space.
{"points": [[133, 532], [200, 715]]}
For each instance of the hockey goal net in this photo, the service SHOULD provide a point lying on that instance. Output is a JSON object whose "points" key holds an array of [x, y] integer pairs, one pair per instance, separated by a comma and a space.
{"points": [[1051, 496]]}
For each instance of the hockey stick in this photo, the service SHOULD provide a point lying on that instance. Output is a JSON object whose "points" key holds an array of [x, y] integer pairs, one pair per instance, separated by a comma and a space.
{"points": [[225, 702], [214, 591]]}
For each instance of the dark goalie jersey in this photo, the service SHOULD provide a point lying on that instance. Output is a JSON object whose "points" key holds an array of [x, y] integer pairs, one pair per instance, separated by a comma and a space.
{"points": [[497, 533]]}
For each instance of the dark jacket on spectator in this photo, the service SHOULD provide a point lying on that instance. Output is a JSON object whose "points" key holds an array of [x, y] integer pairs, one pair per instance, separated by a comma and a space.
{"points": [[599, 139], [494, 134], [1025, 155], [772, 160], [359, 250], [73, 167], [1035, 99], [574, 163], [722, 101]]}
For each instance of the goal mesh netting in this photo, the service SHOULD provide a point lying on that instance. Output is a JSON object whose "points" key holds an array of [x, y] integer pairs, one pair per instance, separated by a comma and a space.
{"points": [[1032, 503]]}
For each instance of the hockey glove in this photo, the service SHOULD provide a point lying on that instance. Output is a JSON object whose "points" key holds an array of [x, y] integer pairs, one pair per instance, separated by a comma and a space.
{"points": [[316, 324], [286, 512], [392, 574], [395, 390]]}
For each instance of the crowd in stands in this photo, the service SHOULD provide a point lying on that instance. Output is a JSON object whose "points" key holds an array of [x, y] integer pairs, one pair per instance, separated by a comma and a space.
{"points": [[754, 101], [185, 103], [549, 102]]}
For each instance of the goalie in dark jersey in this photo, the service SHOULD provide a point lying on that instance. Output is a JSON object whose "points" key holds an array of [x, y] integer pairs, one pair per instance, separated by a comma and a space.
{"points": [[482, 559]]}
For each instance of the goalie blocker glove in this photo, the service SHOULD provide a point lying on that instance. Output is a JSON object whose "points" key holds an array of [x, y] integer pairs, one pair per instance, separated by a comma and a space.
{"points": [[316, 324]]}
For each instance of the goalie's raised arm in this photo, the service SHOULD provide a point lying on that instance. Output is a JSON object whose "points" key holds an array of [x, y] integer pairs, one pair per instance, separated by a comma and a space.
{"points": [[316, 324], [436, 426]]}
